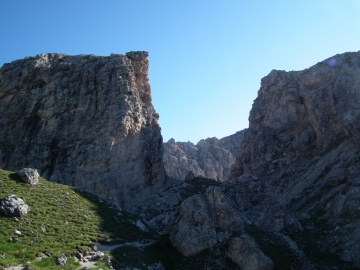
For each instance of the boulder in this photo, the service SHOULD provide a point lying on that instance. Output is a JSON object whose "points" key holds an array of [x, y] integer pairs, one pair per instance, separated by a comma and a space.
{"points": [[246, 254], [13, 206], [194, 228], [29, 175], [61, 260], [200, 218], [227, 216], [97, 256], [79, 255]]}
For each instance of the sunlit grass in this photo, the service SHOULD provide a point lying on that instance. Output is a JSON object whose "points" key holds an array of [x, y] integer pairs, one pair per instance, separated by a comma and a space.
{"points": [[73, 221]]}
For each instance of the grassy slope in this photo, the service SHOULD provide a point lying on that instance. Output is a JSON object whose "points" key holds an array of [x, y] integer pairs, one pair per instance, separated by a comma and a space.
{"points": [[77, 220], [73, 221]]}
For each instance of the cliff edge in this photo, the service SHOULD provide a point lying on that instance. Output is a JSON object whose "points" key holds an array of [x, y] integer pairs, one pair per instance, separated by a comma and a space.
{"points": [[300, 109], [85, 121]]}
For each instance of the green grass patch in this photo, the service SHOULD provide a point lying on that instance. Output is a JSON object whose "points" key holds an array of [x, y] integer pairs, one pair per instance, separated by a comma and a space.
{"points": [[72, 220]]}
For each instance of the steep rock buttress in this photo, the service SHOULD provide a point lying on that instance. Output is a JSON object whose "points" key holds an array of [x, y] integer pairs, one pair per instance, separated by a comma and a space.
{"points": [[85, 121]]}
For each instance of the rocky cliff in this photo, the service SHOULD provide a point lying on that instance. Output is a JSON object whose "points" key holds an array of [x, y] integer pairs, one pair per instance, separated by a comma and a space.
{"points": [[299, 185], [210, 158], [298, 109], [293, 200], [85, 121], [303, 145]]}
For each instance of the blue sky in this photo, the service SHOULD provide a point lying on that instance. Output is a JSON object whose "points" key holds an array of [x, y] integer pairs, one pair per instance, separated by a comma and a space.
{"points": [[206, 57]]}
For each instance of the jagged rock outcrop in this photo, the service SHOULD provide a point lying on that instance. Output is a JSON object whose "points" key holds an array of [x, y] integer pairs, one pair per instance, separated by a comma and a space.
{"points": [[303, 143], [298, 109], [85, 121], [211, 158]]}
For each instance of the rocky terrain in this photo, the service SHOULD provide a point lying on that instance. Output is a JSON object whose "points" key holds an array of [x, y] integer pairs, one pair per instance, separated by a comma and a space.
{"points": [[85, 121], [295, 201], [299, 188], [283, 194], [303, 145], [53, 226], [210, 158]]}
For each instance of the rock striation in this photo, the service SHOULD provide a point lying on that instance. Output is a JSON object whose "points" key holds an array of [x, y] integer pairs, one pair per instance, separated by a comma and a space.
{"points": [[210, 158], [85, 121]]}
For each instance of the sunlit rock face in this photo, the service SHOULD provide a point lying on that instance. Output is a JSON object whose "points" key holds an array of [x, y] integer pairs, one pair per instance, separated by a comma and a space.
{"points": [[85, 121], [210, 158], [297, 109], [303, 144]]}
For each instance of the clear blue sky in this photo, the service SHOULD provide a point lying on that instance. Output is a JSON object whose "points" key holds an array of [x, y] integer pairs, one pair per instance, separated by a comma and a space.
{"points": [[206, 58]]}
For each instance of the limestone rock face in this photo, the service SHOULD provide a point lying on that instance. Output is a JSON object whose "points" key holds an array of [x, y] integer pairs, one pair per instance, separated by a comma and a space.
{"points": [[85, 121], [295, 110], [210, 158], [232, 143], [303, 143]]}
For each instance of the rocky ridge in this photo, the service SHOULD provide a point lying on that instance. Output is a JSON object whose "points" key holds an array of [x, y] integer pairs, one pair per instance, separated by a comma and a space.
{"points": [[303, 145], [210, 158], [299, 109], [85, 121], [298, 185], [293, 202]]}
